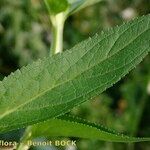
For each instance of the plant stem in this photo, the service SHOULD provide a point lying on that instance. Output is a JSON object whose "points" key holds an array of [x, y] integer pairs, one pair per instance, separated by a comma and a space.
{"points": [[57, 33], [26, 136]]}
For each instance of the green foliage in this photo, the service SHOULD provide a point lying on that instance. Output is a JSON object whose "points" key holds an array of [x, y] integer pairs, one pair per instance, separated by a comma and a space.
{"points": [[72, 6], [67, 7], [25, 35], [59, 11], [54, 85], [77, 5], [56, 6], [19, 23], [75, 127]]}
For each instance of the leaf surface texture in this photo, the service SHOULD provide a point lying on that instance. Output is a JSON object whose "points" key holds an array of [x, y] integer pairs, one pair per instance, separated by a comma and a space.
{"points": [[69, 126], [52, 86]]}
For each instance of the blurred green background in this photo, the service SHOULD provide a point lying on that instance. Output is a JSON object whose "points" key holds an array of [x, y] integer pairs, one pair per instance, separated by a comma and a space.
{"points": [[25, 36]]}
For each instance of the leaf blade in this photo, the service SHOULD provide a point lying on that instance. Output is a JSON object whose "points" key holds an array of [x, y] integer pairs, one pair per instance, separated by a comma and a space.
{"points": [[77, 5], [52, 86], [69, 126], [54, 7]]}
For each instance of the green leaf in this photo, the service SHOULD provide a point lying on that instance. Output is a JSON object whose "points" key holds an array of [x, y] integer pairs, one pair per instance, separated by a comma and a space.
{"points": [[54, 85], [76, 127], [77, 5], [56, 6], [68, 7]]}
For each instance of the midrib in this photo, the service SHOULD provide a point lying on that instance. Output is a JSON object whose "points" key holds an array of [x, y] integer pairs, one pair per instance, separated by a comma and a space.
{"points": [[57, 85]]}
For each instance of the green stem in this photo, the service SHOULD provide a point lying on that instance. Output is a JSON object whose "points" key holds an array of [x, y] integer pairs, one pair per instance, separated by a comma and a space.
{"points": [[26, 136], [57, 33]]}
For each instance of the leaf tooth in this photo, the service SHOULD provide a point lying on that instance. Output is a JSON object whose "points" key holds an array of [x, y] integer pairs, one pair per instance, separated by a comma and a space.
{"points": [[76, 119], [24, 68], [17, 72], [5, 78], [98, 127], [96, 34], [90, 38], [12, 74]]}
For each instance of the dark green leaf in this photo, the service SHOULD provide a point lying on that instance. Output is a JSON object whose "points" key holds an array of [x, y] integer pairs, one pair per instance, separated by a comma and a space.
{"points": [[76, 5], [52, 86], [75, 127], [56, 6]]}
